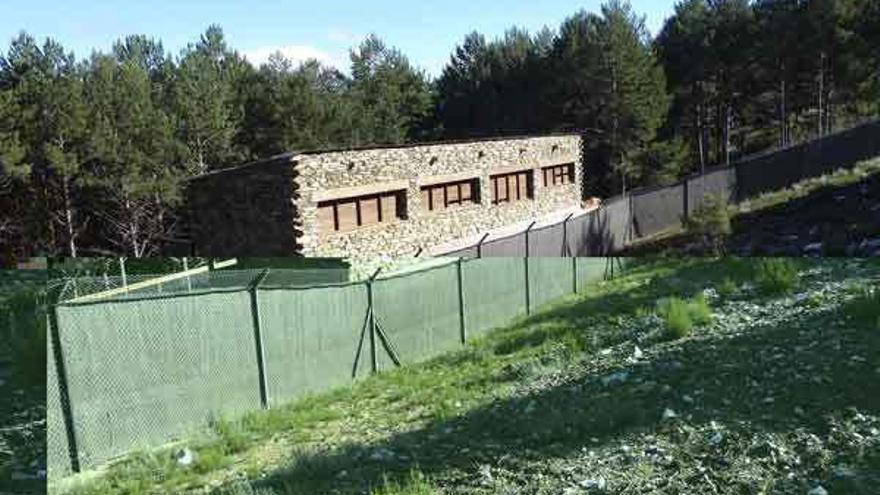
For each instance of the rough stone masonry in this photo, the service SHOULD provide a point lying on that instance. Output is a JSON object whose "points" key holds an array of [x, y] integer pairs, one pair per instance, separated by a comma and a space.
{"points": [[271, 208]]}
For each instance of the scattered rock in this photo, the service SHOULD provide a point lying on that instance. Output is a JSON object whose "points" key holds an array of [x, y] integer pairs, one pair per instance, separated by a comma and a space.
{"points": [[814, 249], [669, 414], [382, 455], [185, 457], [819, 490], [615, 378], [638, 354], [486, 474], [594, 484]]}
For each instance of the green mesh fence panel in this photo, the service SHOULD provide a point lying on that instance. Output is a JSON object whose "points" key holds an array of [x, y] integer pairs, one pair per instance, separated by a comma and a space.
{"points": [[310, 338], [494, 292], [418, 313], [141, 372], [590, 271], [281, 278], [549, 279], [58, 457]]}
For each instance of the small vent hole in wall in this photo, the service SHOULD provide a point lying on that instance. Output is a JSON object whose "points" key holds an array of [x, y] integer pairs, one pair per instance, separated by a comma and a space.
{"points": [[434, 160], [554, 149], [481, 154], [350, 166]]}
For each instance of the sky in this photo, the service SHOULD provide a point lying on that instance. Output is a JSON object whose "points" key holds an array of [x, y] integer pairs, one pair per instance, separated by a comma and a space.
{"points": [[426, 31]]}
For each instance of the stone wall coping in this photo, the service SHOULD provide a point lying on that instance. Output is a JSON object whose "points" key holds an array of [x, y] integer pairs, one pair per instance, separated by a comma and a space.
{"points": [[353, 192], [510, 169], [426, 144], [446, 178], [552, 161]]}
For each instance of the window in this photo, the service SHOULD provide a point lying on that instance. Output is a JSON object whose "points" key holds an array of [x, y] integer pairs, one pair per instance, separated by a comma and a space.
{"points": [[558, 175], [507, 188], [343, 215], [442, 196]]}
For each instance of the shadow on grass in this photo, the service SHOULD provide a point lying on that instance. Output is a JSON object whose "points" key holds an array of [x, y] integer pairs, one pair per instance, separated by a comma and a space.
{"points": [[806, 363]]}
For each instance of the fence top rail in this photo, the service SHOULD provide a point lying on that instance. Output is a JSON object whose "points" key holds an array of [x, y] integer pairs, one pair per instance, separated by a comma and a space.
{"points": [[151, 282], [84, 290]]}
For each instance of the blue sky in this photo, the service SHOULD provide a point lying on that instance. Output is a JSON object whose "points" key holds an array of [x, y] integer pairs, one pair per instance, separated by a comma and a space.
{"points": [[425, 30]]}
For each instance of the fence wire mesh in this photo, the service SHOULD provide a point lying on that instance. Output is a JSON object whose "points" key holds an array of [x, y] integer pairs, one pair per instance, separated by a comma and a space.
{"points": [[311, 338], [140, 372], [418, 313], [143, 369]]}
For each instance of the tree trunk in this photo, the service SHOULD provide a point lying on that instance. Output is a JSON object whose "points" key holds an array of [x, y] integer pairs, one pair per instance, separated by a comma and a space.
{"points": [[783, 117], [68, 217], [728, 116], [821, 93], [700, 145]]}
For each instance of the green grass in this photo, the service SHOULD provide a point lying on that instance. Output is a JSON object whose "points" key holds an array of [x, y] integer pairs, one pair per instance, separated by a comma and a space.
{"points": [[682, 315], [727, 288], [557, 399], [416, 484], [776, 276], [864, 308]]}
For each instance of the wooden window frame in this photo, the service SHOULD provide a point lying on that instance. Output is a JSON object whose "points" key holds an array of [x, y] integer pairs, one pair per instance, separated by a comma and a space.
{"points": [[446, 187], [382, 216], [506, 178], [558, 175]]}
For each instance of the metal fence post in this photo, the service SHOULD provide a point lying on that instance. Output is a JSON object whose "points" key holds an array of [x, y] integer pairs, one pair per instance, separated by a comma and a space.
{"points": [[374, 360], [258, 338], [566, 248], [526, 261], [480, 246], [574, 275], [461, 304], [63, 390]]}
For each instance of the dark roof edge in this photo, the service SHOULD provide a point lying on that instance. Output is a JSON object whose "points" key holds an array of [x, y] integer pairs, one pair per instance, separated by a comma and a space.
{"points": [[291, 156], [282, 158], [511, 137]]}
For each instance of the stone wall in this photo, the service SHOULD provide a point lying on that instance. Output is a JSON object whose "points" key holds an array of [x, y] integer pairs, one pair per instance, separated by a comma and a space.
{"points": [[245, 211], [356, 172]]}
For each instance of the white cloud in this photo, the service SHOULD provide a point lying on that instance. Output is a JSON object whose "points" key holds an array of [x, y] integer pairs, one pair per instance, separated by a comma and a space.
{"points": [[295, 53], [344, 37]]}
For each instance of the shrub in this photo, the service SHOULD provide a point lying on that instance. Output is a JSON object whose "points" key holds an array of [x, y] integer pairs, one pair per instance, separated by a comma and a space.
{"points": [[776, 276], [699, 310], [415, 484], [24, 339], [681, 316], [727, 288], [710, 222], [864, 308], [232, 435]]}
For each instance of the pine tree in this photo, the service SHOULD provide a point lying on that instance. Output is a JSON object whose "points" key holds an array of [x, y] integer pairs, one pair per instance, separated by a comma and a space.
{"points": [[392, 97], [616, 89]]}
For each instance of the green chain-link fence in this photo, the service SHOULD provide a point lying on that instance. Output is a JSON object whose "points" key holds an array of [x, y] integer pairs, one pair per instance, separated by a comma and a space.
{"points": [[144, 367]]}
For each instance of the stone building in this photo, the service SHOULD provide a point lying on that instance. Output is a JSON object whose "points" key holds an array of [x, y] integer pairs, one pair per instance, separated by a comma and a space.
{"points": [[385, 201]]}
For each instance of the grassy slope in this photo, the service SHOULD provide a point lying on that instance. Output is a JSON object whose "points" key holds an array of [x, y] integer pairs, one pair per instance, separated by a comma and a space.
{"points": [[776, 395]]}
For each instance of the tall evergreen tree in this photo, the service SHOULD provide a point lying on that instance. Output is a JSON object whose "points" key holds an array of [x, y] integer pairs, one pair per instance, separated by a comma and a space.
{"points": [[616, 89], [392, 97], [204, 102], [130, 144]]}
